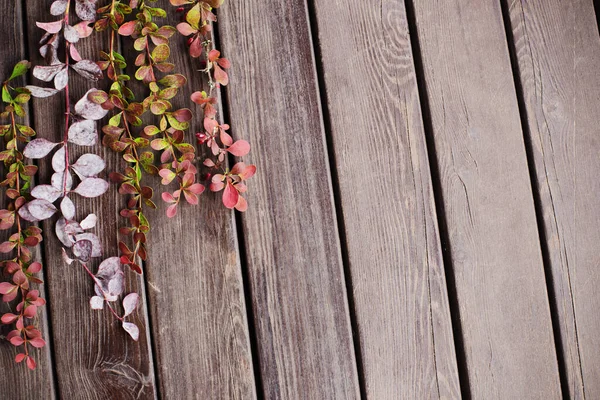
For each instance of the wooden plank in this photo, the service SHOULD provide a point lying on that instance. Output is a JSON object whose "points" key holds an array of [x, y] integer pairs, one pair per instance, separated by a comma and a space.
{"points": [[195, 282], [558, 53], [295, 268], [95, 358], [17, 381], [400, 297], [487, 198]]}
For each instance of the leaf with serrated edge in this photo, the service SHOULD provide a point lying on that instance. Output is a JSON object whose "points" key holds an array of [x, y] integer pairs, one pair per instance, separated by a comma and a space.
{"points": [[130, 303], [83, 133], [38, 148], [89, 165], [132, 329], [46, 192], [91, 187], [67, 208]]}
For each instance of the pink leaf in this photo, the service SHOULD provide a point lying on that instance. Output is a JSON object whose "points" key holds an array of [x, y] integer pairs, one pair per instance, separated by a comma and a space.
{"points": [[89, 165], [242, 204], [132, 329], [30, 363], [38, 148], [89, 70], [230, 196], [88, 109], [83, 133], [83, 29], [185, 29], [127, 28], [239, 148], [74, 53], [92, 187], [50, 27], [40, 92], [172, 210], [46, 192], [6, 287], [67, 208], [37, 342], [130, 302], [20, 357], [97, 303]]}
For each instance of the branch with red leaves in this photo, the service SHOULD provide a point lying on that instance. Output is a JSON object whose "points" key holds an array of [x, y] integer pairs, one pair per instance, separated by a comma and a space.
{"points": [[21, 268], [197, 27]]}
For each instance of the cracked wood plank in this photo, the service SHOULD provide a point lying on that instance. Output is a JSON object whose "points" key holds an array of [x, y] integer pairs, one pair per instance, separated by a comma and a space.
{"points": [[394, 252], [300, 304], [195, 286], [558, 52], [488, 202], [95, 358], [17, 381]]}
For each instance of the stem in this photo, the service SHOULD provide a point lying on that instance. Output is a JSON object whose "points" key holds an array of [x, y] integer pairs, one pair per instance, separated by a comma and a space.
{"points": [[18, 183], [117, 316], [67, 108]]}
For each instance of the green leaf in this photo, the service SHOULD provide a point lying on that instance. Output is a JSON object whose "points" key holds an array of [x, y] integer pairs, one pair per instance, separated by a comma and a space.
{"points": [[115, 120], [20, 69], [6, 97], [26, 130], [161, 53], [193, 16]]}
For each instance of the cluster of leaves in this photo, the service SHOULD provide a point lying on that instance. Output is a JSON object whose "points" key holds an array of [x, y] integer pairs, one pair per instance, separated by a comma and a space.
{"points": [[219, 143], [20, 267], [80, 178]]}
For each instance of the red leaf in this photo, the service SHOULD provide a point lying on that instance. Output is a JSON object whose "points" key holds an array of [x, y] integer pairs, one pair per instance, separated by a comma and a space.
{"points": [[16, 340], [242, 204], [20, 357], [230, 196], [6, 288], [127, 28], [172, 210], [239, 148], [37, 342], [220, 75], [30, 363], [9, 318]]}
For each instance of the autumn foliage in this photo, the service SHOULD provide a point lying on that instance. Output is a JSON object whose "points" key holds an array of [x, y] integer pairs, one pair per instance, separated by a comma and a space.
{"points": [[149, 133]]}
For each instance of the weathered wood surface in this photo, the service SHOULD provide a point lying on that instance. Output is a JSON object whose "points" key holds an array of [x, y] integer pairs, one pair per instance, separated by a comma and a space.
{"points": [[293, 253], [17, 381], [558, 52], [94, 356], [194, 277], [487, 200], [399, 286]]}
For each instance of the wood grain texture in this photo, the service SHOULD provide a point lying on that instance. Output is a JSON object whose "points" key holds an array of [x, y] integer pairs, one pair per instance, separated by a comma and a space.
{"points": [[95, 358], [194, 278], [487, 198], [558, 52], [393, 244], [17, 381], [293, 253]]}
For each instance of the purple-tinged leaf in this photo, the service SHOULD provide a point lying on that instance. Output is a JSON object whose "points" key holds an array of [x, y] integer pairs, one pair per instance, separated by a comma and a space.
{"points": [[97, 303], [132, 329], [130, 303], [66, 257], [74, 53], [46, 192], [91, 187], [61, 232], [26, 215], [88, 69], [41, 92], [110, 276], [58, 160], [61, 79], [40, 209], [67, 208], [89, 165], [58, 180], [83, 133], [89, 222], [38, 148], [50, 27], [88, 109], [82, 249], [96, 245], [47, 72], [86, 9], [71, 34], [59, 7], [109, 267]]}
